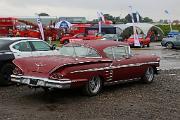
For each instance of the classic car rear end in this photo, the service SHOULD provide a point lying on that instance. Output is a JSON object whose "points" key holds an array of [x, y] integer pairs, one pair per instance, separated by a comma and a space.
{"points": [[86, 64]]}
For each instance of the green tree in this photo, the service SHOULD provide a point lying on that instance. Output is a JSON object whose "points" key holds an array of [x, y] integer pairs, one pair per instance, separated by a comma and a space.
{"points": [[147, 20], [43, 14]]}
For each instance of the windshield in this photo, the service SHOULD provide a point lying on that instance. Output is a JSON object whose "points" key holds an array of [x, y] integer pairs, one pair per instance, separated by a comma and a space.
{"points": [[78, 51]]}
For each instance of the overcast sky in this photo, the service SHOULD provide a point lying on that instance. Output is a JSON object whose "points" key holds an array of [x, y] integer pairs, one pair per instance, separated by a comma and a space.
{"points": [[88, 8]]}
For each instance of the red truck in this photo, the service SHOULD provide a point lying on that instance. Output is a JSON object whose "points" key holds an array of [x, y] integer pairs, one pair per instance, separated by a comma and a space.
{"points": [[7, 25]]}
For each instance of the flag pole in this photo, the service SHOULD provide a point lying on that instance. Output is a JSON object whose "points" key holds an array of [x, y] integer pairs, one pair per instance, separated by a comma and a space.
{"points": [[100, 25], [40, 26], [170, 23], [136, 39]]}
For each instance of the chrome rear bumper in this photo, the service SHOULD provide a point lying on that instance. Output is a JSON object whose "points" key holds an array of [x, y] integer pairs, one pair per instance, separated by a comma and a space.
{"points": [[41, 82]]}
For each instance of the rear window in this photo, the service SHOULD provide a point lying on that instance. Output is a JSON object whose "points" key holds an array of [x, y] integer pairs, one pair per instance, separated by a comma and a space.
{"points": [[78, 51]]}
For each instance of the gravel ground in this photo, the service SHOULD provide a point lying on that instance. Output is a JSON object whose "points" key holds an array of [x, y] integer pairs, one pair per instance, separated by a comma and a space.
{"points": [[133, 101]]}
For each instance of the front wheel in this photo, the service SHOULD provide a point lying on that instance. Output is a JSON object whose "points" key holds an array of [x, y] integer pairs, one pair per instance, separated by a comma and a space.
{"points": [[149, 75], [169, 45], [93, 86]]}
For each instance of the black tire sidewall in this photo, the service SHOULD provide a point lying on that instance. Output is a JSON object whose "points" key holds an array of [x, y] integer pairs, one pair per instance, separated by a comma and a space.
{"points": [[167, 44], [87, 91], [6, 69], [145, 79]]}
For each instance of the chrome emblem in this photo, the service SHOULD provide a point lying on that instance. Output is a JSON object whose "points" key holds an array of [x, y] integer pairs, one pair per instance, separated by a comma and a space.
{"points": [[39, 65]]}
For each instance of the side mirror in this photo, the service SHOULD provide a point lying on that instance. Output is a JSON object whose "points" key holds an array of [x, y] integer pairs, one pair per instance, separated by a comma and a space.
{"points": [[53, 47]]}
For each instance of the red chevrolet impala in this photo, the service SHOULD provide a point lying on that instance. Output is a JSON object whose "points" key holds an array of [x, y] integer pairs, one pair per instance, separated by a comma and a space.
{"points": [[86, 64]]}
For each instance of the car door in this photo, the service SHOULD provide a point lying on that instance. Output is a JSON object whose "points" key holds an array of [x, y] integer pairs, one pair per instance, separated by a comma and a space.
{"points": [[177, 42], [41, 48], [124, 67], [21, 49]]}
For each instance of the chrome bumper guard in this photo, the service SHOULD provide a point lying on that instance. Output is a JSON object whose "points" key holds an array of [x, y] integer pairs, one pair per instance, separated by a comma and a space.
{"points": [[41, 82], [158, 70]]}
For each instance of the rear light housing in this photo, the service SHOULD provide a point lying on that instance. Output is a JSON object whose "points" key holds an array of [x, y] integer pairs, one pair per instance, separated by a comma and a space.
{"points": [[17, 71], [56, 76]]}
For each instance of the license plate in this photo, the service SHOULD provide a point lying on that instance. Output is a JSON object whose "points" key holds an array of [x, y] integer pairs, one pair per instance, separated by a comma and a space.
{"points": [[33, 82], [25, 81]]}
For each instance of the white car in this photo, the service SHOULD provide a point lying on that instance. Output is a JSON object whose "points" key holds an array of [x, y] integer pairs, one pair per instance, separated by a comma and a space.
{"points": [[19, 47]]}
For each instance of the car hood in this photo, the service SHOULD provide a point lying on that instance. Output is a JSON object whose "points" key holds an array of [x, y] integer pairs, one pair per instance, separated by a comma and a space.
{"points": [[64, 38]]}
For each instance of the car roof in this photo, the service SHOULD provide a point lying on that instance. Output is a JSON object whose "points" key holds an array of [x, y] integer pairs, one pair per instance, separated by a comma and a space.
{"points": [[5, 42], [99, 44]]}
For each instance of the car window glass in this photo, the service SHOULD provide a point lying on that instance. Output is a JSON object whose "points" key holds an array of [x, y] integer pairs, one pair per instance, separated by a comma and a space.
{"points": [[120, 51], [67, 51], [178, 37], [109, 53], [22, 46], [40, 46], [79, 51], [92, 53]]}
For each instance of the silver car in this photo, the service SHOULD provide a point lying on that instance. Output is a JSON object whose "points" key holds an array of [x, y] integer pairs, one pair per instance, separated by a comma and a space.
{"points": [[171, 42]]}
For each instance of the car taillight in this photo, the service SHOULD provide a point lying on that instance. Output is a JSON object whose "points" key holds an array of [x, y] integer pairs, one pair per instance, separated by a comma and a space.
{"points": [[17, 71], [55, 76]]}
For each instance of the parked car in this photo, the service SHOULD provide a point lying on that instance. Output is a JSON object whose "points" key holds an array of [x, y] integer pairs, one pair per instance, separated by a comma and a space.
{"points": [[86, 64], [173, 34], [115, 37], [142, 40], [171, 42], [18, 47], [79, 37]]}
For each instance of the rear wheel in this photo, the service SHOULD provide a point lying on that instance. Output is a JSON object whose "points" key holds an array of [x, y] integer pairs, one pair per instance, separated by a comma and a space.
{"points": [[149, 75], [5, 74], [169, 45], [93, 86]]}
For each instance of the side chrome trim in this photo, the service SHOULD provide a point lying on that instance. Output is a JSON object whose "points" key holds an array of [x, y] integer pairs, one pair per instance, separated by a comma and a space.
{"points": [[113, 67], [54, 69], [120, 81]]}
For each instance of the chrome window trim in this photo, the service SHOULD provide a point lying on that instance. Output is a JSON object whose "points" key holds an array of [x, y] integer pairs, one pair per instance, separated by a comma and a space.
{"points": [[112, 67]]}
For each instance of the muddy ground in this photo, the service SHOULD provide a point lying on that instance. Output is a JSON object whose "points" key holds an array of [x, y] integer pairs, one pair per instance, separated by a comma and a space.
{"points": [[131, 101]]}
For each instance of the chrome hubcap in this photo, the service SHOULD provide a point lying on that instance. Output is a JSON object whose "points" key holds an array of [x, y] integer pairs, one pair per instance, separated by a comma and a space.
{"points": [[169, 45], [94, 84], [149, 74]]}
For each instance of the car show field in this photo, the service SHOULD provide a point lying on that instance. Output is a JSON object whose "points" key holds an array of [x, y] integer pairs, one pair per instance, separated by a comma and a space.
{"points": [[89, 60], [129, 101]]}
